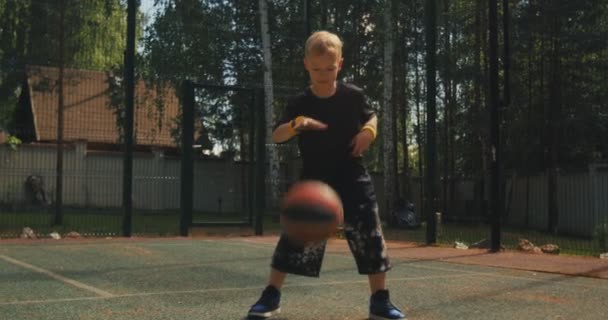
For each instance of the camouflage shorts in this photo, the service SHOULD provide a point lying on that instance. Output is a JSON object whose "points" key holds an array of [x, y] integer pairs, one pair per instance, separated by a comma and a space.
{"points": [[362, 229]]}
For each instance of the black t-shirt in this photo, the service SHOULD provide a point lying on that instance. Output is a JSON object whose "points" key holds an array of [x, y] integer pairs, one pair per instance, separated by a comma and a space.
{"points": [[327, 153]]}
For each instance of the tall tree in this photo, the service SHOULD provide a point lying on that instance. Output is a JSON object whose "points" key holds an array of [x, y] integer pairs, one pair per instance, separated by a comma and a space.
{"points": [[447, 108], [431, 125], [420, 139], [388, 114], [94, 39], [554, 119], [268, 101], [223, 52], [13, 40], [478, 114], [405, 29]]}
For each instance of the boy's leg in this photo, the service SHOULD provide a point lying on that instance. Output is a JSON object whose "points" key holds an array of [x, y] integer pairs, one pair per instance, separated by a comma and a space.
{"points": [[377, 282], [366, 242], [363, 231], [287, 258], [269, 303], [276, 278], [380, 305], [304, 261]]}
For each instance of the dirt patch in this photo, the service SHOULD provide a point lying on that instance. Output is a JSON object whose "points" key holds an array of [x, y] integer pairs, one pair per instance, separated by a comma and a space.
{"points": [[559, 264]]}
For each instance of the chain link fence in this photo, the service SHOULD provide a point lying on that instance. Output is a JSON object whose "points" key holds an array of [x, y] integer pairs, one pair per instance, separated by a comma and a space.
{"points": [[63, 114]]}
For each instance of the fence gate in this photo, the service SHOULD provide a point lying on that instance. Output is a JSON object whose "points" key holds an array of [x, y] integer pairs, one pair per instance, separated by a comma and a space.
{"points": [[222, 175]]}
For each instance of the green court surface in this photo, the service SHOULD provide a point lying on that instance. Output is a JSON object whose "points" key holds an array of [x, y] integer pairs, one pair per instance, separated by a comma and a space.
{"points": [[190, 278]]}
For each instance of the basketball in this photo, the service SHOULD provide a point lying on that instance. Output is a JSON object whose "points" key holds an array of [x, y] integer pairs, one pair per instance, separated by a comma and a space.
{"points": [[311, 211]]}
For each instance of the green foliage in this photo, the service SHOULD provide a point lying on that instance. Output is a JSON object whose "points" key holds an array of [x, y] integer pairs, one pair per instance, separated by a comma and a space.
{"points": [[7, 109], [13, 142], [560, 62], [209, 42], [179, 45], [94, 33], [116, 92], [94, 38], [12, 45], [558, 65]]}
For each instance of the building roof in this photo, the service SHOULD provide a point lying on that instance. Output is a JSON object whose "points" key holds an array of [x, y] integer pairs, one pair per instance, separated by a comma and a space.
{"points": [[88, 114]]}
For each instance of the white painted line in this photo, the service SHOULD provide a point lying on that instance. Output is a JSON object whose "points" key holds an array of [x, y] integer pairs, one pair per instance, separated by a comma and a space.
{"points": [[455, 273], [55, 276], [162, 293], [32, 302]]}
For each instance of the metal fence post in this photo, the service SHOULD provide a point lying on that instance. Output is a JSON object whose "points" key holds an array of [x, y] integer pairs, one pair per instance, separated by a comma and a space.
{"points": [[260, 162], [129, 120], [187, 165]]}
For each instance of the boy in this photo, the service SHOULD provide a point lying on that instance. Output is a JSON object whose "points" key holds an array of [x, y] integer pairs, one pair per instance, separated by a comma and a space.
{"points": [[334, 125]]}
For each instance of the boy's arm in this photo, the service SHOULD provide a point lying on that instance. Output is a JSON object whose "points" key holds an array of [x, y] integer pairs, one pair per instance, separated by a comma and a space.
{"points": [[292, 128], [283, 133], [365, 137], [372, 126]]}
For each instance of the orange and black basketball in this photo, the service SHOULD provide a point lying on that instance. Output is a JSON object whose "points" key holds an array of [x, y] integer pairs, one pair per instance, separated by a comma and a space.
{"points": [[311, 211]]}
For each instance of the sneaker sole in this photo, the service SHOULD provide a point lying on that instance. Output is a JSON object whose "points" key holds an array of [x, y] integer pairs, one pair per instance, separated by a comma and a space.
{"points": [[376, 317], [264, 314]]}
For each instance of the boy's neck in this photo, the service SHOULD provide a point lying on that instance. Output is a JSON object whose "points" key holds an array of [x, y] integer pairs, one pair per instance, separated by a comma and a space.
{"points": [[324, 91]]}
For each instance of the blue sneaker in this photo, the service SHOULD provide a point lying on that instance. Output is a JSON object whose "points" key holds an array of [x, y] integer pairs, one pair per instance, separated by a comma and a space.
{"points": [[267, 305], [381, 308]]}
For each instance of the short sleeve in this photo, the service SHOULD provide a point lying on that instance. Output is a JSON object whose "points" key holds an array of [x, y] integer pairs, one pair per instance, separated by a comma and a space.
{"points": [[366, 110]]}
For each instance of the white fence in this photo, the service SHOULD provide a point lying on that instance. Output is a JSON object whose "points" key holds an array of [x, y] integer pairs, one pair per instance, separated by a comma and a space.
{"points": [[582, 201], [94, 179]]}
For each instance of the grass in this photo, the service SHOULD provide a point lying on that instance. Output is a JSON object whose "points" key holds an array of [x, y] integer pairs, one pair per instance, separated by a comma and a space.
{"points": [[87, 224], [108, 223], [449, 233], [104, 222]]}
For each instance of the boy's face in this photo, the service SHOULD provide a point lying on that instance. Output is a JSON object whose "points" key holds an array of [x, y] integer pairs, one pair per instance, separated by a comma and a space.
{"points": [[323, 68]]}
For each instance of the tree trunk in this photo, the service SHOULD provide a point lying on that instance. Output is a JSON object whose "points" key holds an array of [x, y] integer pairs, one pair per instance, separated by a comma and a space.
{"points": [[388, 118], [479, 149], [273, 156], [404, 112], [529, 133], [419, 123], [431, 125], [554, 119], [506, 101], [447, 90], [496, 198]]}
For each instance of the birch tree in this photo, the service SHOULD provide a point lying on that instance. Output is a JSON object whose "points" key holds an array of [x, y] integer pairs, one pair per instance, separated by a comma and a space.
{"points": [[268, 100]]}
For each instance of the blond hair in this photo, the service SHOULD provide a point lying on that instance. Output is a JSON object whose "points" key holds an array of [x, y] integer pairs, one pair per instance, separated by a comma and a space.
{"points": [[322, 42]]}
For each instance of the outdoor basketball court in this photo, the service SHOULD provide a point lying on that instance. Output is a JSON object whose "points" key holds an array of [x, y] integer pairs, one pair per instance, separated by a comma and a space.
{"points": [[204, 278]]}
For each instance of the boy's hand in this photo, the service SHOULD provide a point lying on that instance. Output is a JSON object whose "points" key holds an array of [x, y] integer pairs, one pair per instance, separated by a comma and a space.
{"points": [[361, 142], [305, 123]]}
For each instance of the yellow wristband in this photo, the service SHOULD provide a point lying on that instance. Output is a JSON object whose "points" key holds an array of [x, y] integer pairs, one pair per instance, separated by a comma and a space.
{"points": [[371, 129]]}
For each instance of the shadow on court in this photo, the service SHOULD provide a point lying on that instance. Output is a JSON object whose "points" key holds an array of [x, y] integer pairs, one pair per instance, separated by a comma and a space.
{"points": [[219, 278]]}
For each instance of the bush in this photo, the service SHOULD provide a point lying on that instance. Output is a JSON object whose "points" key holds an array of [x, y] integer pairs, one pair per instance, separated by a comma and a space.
{"points": [[13, 142]]}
